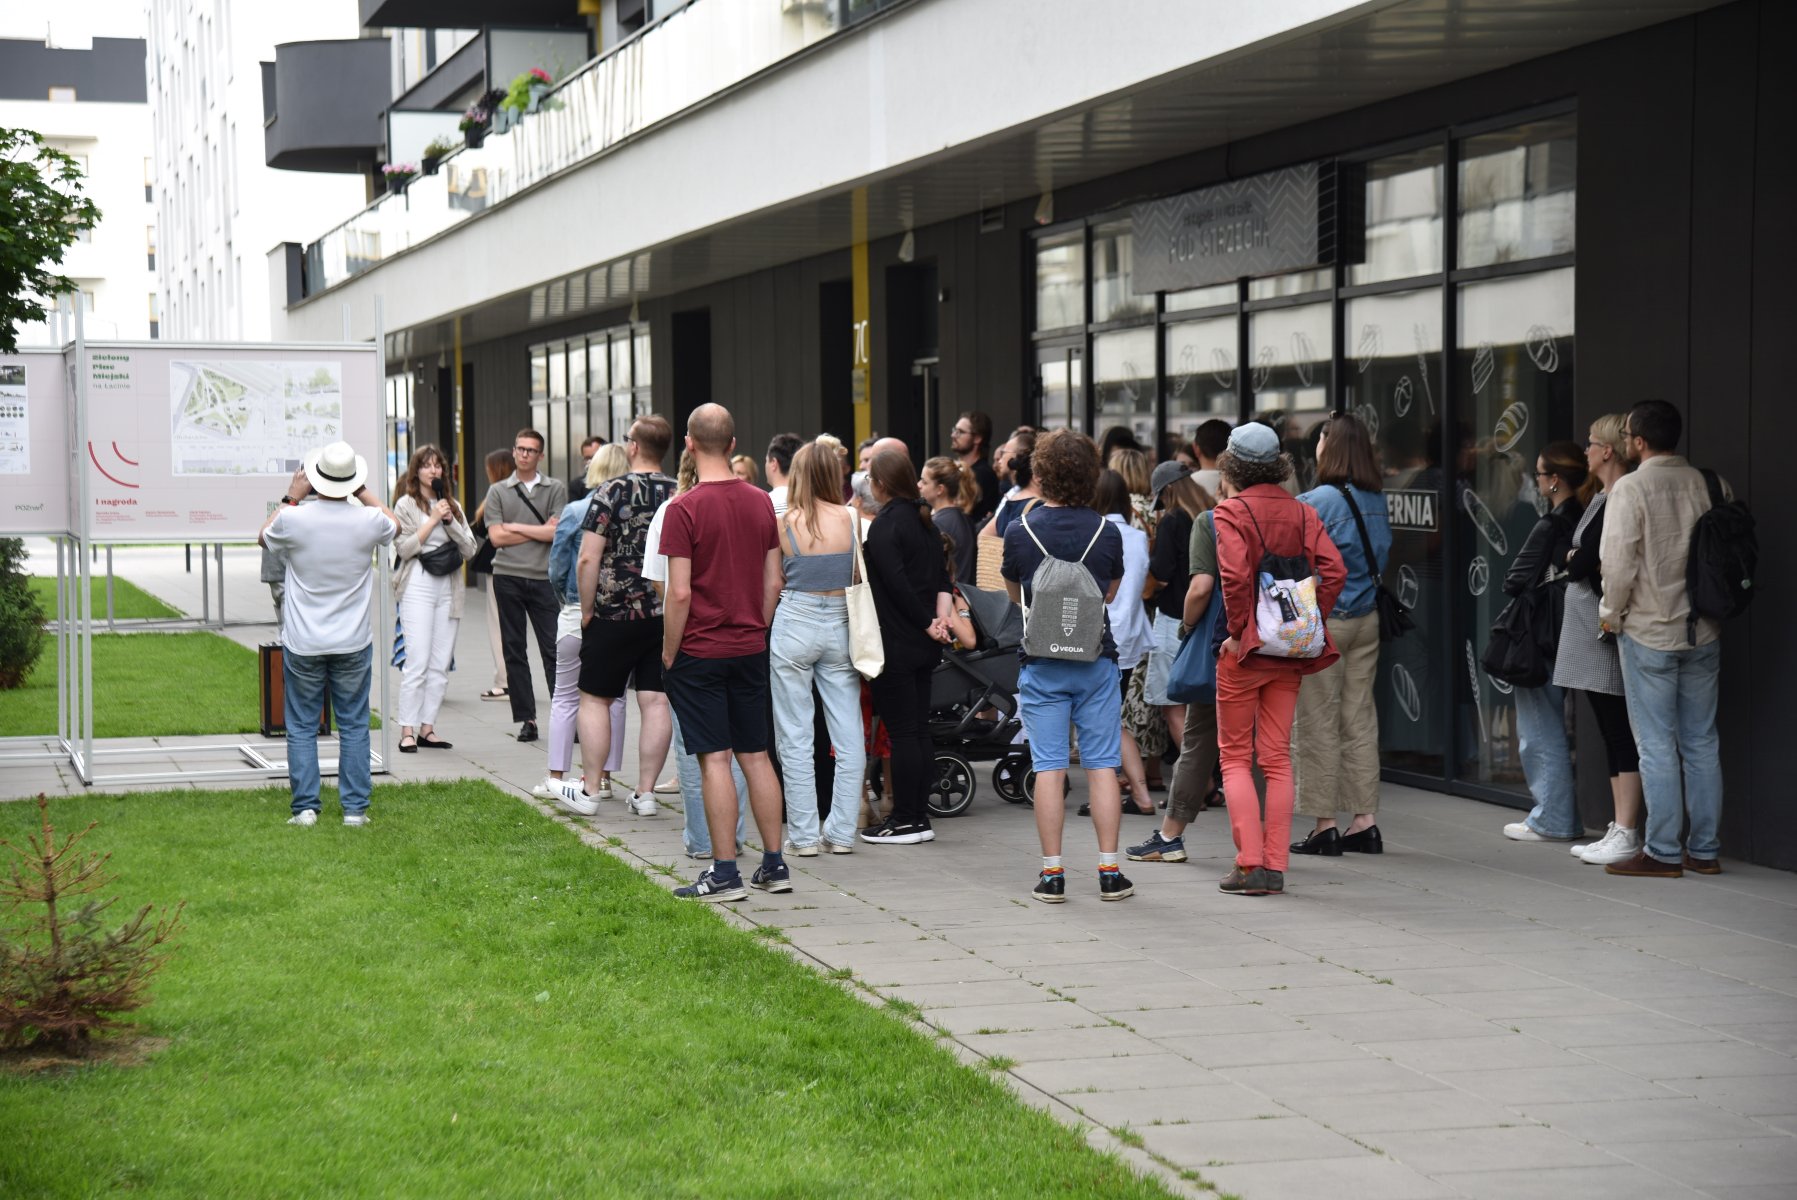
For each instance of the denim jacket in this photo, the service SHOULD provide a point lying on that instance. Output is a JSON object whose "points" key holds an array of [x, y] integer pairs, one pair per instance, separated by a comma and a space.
{"points": [[1357, 598], [564, 551]]}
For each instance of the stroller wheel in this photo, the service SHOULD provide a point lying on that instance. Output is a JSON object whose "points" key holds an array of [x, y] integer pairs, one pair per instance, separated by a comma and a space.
{"points": [[1008, 778], [951, 792]]}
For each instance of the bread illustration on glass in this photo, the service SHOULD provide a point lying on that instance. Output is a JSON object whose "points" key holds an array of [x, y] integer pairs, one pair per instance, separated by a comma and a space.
{"points": [[1544, 350], [1368, 349], [1263, 366], [1511, 424], [1402, 397], [1486, 523], [1410, 588], [1472, 675], [1403, 690], [1478, 575], [1369, 416], [1304, 356], [1422, 363], [1222, 367], [1483, 365]]}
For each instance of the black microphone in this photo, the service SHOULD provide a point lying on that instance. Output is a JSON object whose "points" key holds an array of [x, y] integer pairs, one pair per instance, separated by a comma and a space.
{"points": [[440, 487]]}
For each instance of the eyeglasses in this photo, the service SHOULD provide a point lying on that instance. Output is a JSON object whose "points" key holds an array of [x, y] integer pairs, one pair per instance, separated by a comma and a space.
{"points": [[527, 450]]}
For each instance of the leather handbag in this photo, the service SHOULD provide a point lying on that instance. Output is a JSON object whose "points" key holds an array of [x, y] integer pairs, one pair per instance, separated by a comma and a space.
{"points": [[1394, 618], [866, 648], [1192, 679], [441, 560]]}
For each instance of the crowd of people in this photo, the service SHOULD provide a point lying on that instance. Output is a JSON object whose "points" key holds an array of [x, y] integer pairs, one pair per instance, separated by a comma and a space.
{"points": [[782, 639]]}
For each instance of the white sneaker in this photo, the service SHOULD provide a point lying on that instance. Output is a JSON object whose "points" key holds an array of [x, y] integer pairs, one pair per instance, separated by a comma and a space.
{"points": [[355, 820], [546, 789], [571, 794], [838, 847], [643, 806], [669, 786], [805, 851], [1618, 845], [1519, 831], [1579, 848], [305, 818]]}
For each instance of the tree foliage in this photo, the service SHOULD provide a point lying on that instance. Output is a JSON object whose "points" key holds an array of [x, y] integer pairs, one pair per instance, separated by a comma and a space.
{"points": [[64, 978], [21, 617], [42, 209]]}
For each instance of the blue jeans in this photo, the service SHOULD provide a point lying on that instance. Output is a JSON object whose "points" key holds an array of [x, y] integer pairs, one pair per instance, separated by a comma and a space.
{"points": [[1053, 695], [697, 835], [810, 643], [1671, 696], [1547, 761], [304, 679]]}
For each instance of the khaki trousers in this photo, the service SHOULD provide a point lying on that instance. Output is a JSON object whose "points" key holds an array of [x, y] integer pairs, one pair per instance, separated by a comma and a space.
{"points": [[1336, 734], [1194, 773]]}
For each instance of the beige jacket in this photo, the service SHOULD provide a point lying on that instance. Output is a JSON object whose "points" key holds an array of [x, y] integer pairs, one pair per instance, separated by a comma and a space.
{"points": [[1647, 537], [406, 548]]}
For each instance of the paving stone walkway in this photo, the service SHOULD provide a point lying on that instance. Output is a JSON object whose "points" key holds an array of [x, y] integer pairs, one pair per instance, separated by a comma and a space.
{"points": [[1461, 1016]]}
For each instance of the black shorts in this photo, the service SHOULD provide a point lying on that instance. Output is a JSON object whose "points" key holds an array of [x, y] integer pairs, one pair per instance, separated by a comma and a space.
{"points": [[613, 652], [721, 703]]}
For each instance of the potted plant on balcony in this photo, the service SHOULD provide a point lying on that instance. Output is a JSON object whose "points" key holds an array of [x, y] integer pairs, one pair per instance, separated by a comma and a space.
{"points": [[474, 124], [398, 175], [434, 153], [527, 91]]}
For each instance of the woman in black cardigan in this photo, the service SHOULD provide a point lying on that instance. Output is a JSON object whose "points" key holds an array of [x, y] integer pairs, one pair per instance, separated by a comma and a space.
{"points": [[911, 594]]}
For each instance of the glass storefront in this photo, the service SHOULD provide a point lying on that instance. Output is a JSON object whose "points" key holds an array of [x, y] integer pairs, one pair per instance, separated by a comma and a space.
{"points": [[1451, 337], [586, 386]]}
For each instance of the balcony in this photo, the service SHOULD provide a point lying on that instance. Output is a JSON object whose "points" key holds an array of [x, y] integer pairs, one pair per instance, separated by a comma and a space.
{"points": [[467, 14], [674, 65], [322, 105]]}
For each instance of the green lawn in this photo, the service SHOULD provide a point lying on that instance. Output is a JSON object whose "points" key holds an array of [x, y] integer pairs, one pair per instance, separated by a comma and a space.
{"points": [[462, 1000], [149, 684], [128, 600]]}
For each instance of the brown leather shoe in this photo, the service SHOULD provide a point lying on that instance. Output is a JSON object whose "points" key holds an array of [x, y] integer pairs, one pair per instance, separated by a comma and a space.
{"points": [[1646, 866], [1702, 866], [1239, 881]]}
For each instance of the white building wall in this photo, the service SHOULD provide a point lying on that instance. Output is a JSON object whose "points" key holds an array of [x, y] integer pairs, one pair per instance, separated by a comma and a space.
{"points": [[221, 207], [112, 266]]}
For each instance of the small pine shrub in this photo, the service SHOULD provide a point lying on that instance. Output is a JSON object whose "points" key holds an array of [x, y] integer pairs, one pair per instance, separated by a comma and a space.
{"points": [[21, 618], [64, 978]]}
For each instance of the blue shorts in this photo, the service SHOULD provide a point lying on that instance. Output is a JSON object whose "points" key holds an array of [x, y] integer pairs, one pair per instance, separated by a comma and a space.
{"points": [[1054, 695]]}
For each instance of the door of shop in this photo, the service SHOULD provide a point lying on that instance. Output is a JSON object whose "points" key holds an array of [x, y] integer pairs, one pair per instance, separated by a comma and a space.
{"points": [[1061, 386]]}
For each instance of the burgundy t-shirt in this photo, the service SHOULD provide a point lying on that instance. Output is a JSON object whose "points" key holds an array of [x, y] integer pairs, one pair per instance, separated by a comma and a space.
{"points": [[726, 528]]}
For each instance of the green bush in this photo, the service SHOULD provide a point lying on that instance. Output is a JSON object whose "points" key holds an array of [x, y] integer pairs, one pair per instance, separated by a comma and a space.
{"points": [[21, 618]]}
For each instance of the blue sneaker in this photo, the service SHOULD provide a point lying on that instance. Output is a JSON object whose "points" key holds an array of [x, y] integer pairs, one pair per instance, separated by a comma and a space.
{"points": [[710, 889], [1158, 849], [772, 879]]}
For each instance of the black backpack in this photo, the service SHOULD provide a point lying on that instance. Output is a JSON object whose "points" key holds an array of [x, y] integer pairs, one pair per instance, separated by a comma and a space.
{"points": [[1724, 552]]}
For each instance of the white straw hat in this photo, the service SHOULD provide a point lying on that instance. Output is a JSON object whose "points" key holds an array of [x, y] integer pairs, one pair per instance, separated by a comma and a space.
{"points": [[336, 471]]}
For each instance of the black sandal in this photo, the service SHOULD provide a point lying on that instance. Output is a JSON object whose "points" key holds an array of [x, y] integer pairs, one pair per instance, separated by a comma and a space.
{"points": [[405, 749], [430, 741]]}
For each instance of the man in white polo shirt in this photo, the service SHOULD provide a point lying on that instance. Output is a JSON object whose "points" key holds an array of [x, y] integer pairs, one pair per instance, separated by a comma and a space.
{"points": [[327, 547]]}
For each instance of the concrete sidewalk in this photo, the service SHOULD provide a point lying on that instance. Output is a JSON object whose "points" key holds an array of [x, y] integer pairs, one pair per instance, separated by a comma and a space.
{"points": [[1461, 1016]]}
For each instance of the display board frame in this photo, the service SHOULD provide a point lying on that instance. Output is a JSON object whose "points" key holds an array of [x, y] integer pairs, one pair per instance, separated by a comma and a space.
{"points": [[67, 488]]}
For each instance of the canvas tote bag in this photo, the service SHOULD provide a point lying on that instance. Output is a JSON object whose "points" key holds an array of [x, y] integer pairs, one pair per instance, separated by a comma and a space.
{"points": [[866, 650]]}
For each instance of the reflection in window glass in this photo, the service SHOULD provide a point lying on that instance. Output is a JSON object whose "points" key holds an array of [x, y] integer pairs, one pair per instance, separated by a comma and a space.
{"points": [[1289, 375], [1518, 192], [577, 433], [556, 454], [620, 412], [597, 375], [1393, 365], [1201, 373], [1113, 254], [1204, 297], [1061, 280], [577, 368], [641, 340], [1060, 379], [558, 371], [1298, 283], [1403, 217], [620, 362], [1514, 375], [1123, 382], [539, 372]]}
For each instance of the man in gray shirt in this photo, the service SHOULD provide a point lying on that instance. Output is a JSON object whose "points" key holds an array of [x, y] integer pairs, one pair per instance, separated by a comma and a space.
{"points": [[521, 516]]}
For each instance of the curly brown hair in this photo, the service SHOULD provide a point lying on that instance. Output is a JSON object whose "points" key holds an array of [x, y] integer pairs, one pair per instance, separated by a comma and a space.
{"points": [[1244, 474], [1065, 467]]}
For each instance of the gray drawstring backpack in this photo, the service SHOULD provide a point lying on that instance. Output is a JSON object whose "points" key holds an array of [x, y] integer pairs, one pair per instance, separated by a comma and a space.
{"points": [[1064, 617]]}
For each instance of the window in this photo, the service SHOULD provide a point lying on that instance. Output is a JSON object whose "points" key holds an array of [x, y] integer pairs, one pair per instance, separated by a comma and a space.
{"points": [[1113, 276], [1292, 358], [62, 94], [1123, 382], [1201, 372], [1061, 280], [155, 317], [1403, 216], [149, 182], [150, 244], [1518, 193]]}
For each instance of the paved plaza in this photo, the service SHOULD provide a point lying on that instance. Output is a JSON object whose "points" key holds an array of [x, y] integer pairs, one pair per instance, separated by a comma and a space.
{"points": [[1462, 1016]]}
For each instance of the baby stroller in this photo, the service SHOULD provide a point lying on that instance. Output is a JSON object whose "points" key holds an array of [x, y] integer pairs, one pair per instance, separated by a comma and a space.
{"points": [[973, 710]]}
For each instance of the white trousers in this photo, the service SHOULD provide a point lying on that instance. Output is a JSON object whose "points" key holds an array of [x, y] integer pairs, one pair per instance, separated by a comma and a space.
{"points": [[430, 644]]}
